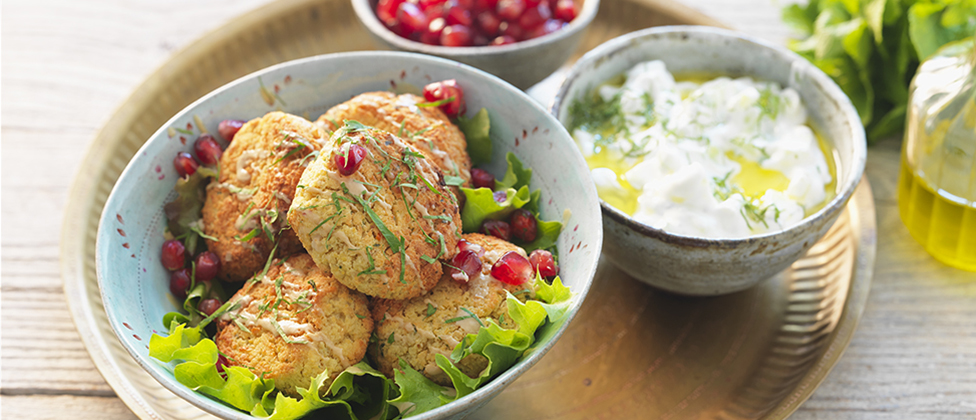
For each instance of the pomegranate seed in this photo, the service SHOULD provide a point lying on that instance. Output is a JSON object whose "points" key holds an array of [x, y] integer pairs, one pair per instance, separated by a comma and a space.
{"points": [[229, 128], [185, 164], [464, 245], [458, 15], [499, 196], [173, 255], [544, 263], [438, 91], [456, 36], [221, 363], [565, 10], [411, 18], [523, 224], [535, 16], [208, 265], [428, 5], [465, 4], [465, 265], [349, 162], [512, 30], [207, 150], [497, 228], [485, 5], [503, 40], [510, 10], [512, 268], [551, 25], [179, 282], [209, 306], [488, 23], [479, 40], [386, 10], [482, 178]]}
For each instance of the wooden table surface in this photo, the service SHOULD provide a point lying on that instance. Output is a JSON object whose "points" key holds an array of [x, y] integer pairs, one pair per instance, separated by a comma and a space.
{"points": [[66, 66]]}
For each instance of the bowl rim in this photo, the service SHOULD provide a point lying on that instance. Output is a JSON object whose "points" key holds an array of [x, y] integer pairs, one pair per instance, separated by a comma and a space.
{"points": [[798, 65], [476, 398], [369, 19]]}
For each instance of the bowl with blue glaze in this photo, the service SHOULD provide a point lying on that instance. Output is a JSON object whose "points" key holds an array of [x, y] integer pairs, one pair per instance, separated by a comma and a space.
{"points": [[702, 266], [135, 286]]}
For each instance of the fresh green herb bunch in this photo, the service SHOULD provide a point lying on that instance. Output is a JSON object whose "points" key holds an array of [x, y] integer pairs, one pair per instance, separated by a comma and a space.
{"points": [[872, 48]]}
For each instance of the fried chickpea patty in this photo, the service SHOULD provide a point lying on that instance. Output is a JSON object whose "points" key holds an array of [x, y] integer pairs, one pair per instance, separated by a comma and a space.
{"points": [[382, 229], [426, 128], [293, 324], [419, 332], [247, 203]]}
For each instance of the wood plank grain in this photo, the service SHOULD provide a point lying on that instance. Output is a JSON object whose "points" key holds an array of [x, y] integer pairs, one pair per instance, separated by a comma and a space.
{"points": [[56, 407], [69, 64]]}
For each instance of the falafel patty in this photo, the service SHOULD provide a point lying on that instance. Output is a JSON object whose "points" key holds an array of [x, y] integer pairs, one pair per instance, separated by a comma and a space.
{"points": [[426, 128], [382, 229], [294, 323], [418, 329], [246, 205]]}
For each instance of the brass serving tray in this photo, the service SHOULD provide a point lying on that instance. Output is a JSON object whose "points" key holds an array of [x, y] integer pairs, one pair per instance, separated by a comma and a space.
{"points": [[633, 352]]}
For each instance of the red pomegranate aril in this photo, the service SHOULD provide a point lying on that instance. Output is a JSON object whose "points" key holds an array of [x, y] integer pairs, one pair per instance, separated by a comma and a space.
{"points": [[512, 268], [503, 40], [512, 30], [464, 245], [208, 150], [411, 18], [439, 91], [209, 306], [348, 163], [458, 15], [486, 5], [185, 164], [550, 26], [229, 128], [535, 16], [488, 23], [428, 5], [456, 36], [208, 265], [510, 10], [221, 363], [465, 265], [565, 10], [497, 228], [173, 255], [544, 263], [482, 178], [479, 40], [430, 39], [179, 282], [524, 226], [500, 196], [386, 10]]}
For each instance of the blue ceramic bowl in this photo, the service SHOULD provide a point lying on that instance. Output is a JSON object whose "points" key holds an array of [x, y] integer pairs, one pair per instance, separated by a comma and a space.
{"points": [[135, 286]]}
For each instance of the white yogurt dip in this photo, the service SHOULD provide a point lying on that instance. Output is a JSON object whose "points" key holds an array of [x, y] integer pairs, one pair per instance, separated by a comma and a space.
{"points": [[727, 158]]}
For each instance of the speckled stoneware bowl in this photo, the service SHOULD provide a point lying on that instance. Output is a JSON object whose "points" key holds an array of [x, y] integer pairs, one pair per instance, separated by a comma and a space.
{"points": [[134, 284], [522, 64], [700, 266]]}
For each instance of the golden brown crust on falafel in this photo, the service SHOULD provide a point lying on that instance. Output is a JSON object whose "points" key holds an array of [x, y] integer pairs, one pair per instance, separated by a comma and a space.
{"points": [[412, 220], [419, 335], [253, 186], [295, 323], [426, 128]]}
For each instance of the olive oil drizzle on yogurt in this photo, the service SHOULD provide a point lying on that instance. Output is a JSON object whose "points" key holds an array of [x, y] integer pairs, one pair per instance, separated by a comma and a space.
{"points": [[614, 145]]}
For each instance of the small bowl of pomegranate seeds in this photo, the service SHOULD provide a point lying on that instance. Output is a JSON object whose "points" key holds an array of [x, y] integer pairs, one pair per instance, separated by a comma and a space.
{"points": [[242, 250], [521, 41]]}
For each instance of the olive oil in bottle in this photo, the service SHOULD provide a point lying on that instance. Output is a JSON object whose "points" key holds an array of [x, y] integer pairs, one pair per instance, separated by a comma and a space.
{"points": [[937, 183]]}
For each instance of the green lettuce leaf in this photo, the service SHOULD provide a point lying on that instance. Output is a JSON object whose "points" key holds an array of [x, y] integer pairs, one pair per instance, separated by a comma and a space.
{"points": [[480, 204], [359, 392], [546, 235], [475, 131], [516, 176], [417, 393], [186, 209]]}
